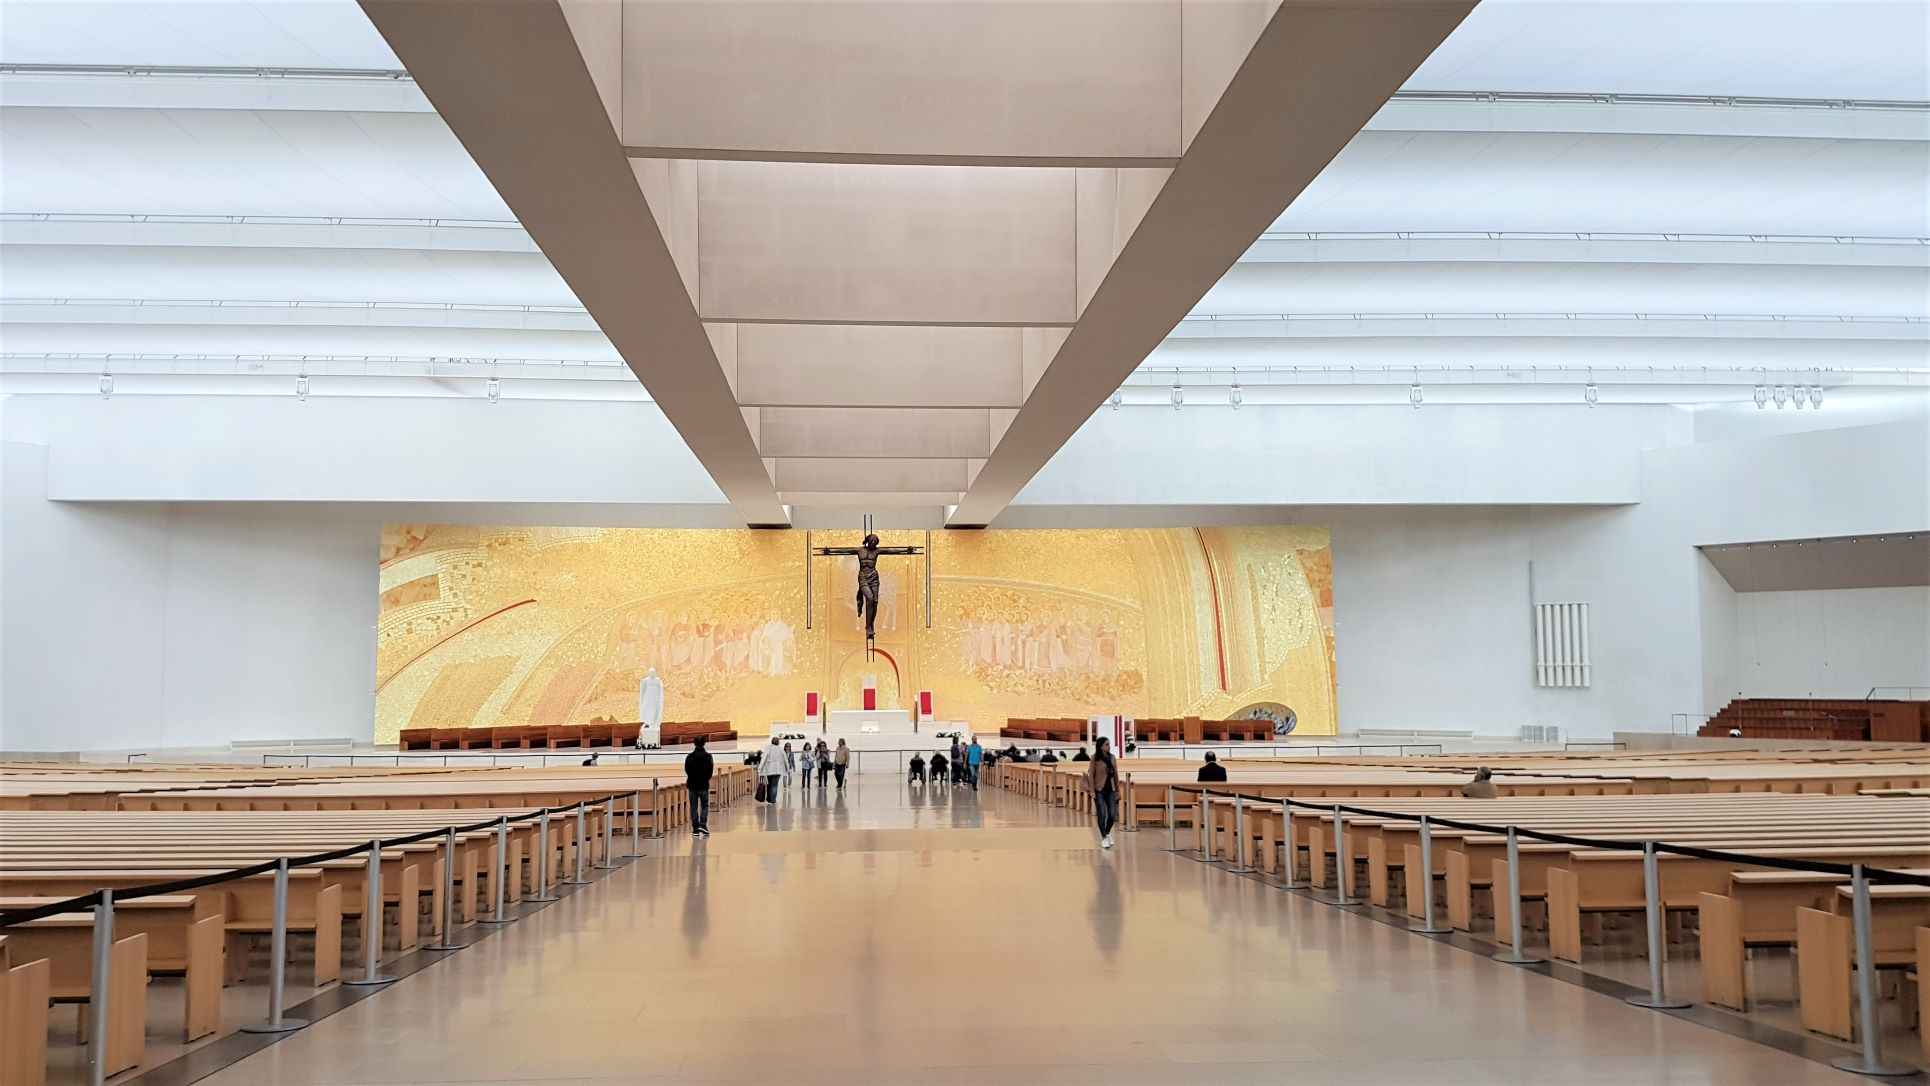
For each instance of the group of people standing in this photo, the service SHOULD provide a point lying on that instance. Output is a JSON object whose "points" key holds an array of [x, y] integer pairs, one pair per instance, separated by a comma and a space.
{"points": [[779, 762]]}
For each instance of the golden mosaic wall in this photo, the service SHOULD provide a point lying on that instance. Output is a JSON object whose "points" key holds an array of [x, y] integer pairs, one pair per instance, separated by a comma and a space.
{"points": [[486, 626]]}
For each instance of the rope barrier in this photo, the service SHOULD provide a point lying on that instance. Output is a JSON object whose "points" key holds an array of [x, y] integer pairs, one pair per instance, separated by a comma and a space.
{"points": [[16, 917]]}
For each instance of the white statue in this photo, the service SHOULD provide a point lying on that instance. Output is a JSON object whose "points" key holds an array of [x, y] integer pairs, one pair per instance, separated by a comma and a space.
{"points": [[650, 710]]}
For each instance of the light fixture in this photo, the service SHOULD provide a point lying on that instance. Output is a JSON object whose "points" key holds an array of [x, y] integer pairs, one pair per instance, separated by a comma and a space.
{"points": [[1179, 394], [1118, 398], [1591, 394], [301, 387], [1781, 396], [107, 385], [494, 389], [1235, 395], [1797, 396], [1414, 396], [1816, 396], [1762, 397]]}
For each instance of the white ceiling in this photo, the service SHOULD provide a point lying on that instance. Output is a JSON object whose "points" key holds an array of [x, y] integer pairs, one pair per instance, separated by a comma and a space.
{"points": [[235, 148]]}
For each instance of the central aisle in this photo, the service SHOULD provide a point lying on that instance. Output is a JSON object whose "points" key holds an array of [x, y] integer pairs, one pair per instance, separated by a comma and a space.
{"points": [[898, 935]]}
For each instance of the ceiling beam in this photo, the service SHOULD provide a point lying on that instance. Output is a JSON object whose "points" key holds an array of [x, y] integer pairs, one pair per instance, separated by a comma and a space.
{"points": [[1317, 73], [512, 84]]}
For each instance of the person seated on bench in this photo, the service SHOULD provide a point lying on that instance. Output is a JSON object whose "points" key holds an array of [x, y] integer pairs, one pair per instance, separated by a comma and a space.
{"points": [[1735, 733], [918, 768], [1081, 756], [1213, 771], [1131, 746], [938, 764], [1013, 753], [594, 755], [1481, 787], [1048, 758]]}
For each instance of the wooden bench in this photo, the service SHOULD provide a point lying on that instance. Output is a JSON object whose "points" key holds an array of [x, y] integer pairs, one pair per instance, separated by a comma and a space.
{"points": [[1825, 956], [25, 990], [183, 935]]}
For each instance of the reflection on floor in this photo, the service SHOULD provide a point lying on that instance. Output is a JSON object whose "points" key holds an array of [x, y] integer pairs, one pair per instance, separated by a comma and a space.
{"points": [[938, 935]]}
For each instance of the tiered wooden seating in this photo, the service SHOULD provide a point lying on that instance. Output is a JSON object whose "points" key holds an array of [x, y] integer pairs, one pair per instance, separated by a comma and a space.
{"points": [[557, 736], [1817, 718]]}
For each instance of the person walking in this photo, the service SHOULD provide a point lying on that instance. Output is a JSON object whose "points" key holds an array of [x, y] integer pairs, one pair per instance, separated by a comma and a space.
{"points": [[790, 763], [974, 758], [841, 762], [824, 763], [771, 768], [958, 760], [806, 759], [697, 769], [1102, 780]]}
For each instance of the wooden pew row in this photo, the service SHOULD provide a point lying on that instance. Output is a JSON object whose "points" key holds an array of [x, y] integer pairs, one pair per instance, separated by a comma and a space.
{"points": [[67, 842]]}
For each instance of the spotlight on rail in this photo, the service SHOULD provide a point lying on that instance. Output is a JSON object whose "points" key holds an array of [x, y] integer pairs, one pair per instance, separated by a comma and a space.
{"points": [[1816, 396], [1414, 396], [1235, 396], [1178, 397], [301, 387], [1591, 394], [1780, 395], [493, 389], [1116, 399], [107, 385], [1762, 397]]}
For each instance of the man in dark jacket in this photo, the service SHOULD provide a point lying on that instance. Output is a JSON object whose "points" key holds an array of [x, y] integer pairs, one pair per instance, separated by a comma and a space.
{"points": [[1213, 771], [697, 768]]}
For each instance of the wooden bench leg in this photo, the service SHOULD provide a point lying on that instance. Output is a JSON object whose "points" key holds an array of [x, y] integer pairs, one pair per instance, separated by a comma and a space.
{"points": [[1923, 992], [1720, 924], [328, 935], [467, 891], [1377, 889], [1460, 892], [24, 994], [127, 1003], [408, 907], [1564, 915], [1503, 908], [203, 979], [1823, 972]]}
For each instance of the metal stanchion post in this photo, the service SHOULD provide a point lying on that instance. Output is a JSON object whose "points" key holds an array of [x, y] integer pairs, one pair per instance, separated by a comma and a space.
{"points": [[499, 876], [1870, 1060], [1289, 861], [1239, 833], [448, 940], [1172, 823], [372, 923], [1427, 926], [656, 811], [1517, 954], [544, 858], [1342, 866], [1206, 830], [98, 995], [278, 966], [636, 826], [609, 860], [1657, 999]]}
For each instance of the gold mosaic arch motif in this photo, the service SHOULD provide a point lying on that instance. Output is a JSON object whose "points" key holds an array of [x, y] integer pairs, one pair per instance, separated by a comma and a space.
{"points": [[513, 626]]}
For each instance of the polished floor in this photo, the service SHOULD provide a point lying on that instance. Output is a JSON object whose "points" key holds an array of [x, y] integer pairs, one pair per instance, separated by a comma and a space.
{"points": [[898, 934]]}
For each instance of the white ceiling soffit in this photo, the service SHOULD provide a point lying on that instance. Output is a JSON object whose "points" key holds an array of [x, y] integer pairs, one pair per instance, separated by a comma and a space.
{"points": [[897, 275], [1880, 561]]}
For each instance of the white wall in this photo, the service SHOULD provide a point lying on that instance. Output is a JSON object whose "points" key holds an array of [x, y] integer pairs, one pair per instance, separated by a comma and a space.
{"points": [[148, 625], [1831, 644], [1717, 604]]}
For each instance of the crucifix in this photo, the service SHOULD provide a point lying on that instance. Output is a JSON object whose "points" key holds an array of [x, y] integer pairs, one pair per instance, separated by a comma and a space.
{"points": [[867, 552]]}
